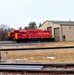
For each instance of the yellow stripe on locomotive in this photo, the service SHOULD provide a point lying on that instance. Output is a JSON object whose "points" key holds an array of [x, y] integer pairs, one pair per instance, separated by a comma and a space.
{"points": [[16, 35]]}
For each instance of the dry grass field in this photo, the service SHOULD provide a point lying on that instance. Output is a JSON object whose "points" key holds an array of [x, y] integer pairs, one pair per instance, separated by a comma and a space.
{"points": [[42, 56]]}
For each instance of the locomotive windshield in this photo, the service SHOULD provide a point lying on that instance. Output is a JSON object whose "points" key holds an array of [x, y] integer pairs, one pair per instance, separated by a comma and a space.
{"points": [[23, 32]]}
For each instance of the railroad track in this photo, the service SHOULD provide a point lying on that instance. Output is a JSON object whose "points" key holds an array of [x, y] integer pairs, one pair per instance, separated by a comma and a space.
{"points": [[15, 48], [36, 69], [12, 43]]}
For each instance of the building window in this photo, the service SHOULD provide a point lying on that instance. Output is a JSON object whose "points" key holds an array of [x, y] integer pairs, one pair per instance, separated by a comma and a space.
{"points": [[49, 28]]}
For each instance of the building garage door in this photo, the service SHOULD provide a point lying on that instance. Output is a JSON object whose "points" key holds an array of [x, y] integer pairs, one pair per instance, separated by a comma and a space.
{"points": [[56, 34]]}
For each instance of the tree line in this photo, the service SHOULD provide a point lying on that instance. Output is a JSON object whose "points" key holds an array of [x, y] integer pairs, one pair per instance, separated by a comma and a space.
{"points": [[3, 31], [31, 25]]}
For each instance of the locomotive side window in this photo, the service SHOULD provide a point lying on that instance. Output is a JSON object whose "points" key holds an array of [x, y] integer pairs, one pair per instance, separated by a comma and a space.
{"points": [[23, 32]]}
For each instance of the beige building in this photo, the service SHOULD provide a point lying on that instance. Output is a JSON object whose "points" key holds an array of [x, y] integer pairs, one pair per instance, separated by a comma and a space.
{"points": [[61, 30]]}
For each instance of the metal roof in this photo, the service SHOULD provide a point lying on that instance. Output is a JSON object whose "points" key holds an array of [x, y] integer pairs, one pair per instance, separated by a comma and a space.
{"points": [[61, 22]]}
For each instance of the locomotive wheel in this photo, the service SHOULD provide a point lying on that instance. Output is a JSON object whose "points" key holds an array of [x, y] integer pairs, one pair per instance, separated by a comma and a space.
{"points": [[25, 40], [18, 41], [9, 39], [41, 40]]}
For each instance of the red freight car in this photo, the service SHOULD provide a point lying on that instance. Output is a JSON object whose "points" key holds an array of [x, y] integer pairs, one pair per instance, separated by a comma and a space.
{"points": [[32, 35]]}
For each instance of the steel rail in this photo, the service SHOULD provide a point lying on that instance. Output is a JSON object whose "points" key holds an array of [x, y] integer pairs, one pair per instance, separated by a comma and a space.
{"points": [[36, 48], [33, 70], [8, 68], [68, 68], [40, 64]]}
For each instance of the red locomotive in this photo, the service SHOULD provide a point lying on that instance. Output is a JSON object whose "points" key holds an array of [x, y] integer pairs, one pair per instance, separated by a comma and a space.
{"points": [[30, 35], [12, 34]]}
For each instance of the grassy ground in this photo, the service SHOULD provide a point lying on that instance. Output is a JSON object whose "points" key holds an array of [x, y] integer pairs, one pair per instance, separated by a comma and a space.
{"points": [[52, 56], [41, 56]]}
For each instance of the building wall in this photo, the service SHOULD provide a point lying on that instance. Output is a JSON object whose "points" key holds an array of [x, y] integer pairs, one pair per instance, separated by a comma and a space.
{"points": [[68, 32], [49, 24]]}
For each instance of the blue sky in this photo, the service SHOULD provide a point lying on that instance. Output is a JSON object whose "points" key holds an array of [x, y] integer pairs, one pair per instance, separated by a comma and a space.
{"points": [[16, 13]]}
